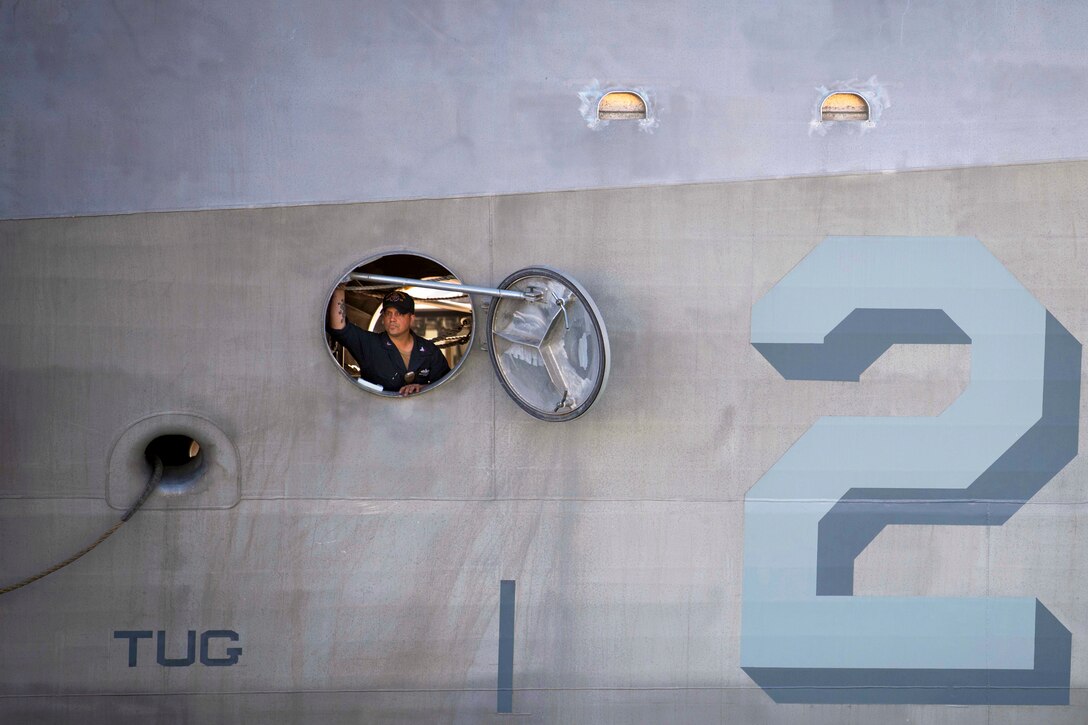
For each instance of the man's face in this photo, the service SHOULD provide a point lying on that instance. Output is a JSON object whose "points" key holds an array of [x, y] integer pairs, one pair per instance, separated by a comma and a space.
{"points": [[396, 322]]}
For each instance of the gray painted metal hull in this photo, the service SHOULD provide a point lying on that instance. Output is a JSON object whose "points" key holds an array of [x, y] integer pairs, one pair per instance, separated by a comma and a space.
{"points": [[357, 545], [131, 107]]}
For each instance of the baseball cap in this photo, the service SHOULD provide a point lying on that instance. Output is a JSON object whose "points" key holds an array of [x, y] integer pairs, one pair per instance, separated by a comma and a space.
{"points": [[400, 301]]}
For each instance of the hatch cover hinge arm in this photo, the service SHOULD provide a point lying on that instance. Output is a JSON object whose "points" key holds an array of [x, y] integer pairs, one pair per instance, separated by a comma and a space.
{"points": [[533, 295]]}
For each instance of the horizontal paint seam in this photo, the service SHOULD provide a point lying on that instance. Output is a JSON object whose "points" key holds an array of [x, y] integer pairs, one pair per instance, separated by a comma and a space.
{"points": [[491, 690]]}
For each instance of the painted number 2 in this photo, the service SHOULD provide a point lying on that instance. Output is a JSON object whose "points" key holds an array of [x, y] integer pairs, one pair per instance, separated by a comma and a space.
{"points": [[805, 637]]}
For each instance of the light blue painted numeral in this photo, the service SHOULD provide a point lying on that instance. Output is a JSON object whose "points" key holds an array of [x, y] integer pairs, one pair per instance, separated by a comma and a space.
{"points": [[805, 637]]}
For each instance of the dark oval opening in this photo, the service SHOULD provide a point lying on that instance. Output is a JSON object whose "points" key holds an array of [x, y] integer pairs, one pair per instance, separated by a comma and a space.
{"points": [[182, 459]]}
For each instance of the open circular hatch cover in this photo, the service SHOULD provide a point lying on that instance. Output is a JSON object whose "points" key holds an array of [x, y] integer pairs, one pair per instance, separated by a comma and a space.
{"points": [[550, 353]]}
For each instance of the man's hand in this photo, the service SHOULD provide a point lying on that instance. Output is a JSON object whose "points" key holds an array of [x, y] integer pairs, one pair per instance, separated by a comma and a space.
{"points": [[410, 389]]}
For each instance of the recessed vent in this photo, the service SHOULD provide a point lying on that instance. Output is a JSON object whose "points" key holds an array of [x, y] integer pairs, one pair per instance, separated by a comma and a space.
{"points": [[621, 105], [844, 107]]}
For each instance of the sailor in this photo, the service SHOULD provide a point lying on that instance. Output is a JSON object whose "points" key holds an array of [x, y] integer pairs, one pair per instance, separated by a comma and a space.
{"points": [[397, 359]]}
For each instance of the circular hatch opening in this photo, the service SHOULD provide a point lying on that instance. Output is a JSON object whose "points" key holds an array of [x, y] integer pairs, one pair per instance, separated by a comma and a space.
{"points": [[444, 318]]}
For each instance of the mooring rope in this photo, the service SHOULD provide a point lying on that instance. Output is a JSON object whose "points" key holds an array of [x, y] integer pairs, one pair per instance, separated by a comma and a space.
{"points": [[152, 483]]}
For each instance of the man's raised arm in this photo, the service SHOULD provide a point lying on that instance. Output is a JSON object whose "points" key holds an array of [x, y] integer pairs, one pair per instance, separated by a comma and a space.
{"points": [[337, 315]]}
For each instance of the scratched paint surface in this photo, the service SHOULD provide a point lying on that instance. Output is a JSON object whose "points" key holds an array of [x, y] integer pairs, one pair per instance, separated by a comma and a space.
{"points": [[130, 106], [360, 566]]}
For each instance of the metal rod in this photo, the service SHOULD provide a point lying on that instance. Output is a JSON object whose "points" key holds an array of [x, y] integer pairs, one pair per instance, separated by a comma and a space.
{"points": [[465, 288]]}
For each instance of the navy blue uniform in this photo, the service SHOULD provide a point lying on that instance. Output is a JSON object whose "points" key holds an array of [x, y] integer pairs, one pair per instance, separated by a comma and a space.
{"points": [[380, 361]]}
